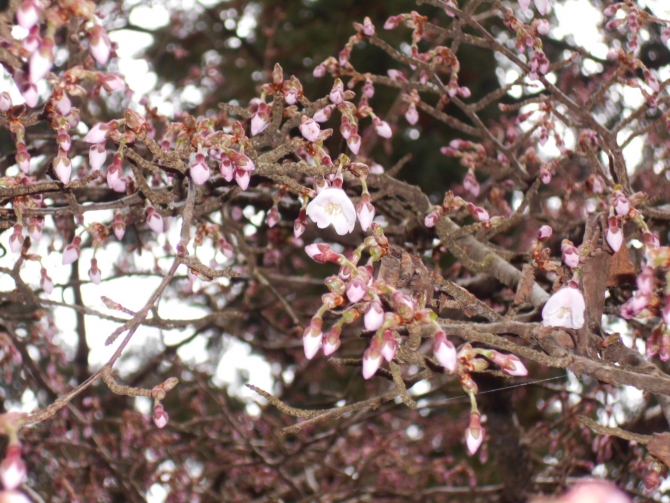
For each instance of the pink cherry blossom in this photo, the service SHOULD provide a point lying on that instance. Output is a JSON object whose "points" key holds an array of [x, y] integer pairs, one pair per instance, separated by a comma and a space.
{"points": [[226, 167], [16, 238], [570, 255], [317, 252], [565, 308], [323, 114], [511, 365], [354, 143], [365, 211], [29, 93], [119, 226], [258, 124], [12, 468], [389, 346], [524, 4], [543, 26], [337, 92], [594, 491], [542, 6], [242, 178], [331, 341], [46, 282], [333, 207]]}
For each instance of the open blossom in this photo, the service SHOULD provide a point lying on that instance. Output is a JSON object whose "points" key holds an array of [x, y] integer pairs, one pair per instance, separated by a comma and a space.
{"points": [[333, 206], [445, 352], [565, 308]]}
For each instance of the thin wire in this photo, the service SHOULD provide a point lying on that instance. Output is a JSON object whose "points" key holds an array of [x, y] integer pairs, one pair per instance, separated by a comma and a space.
{"points": [[505, 387]]}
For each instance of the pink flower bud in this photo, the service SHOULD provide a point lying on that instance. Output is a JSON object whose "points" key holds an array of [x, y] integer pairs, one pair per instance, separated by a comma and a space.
{"points": [[71, 251], [393, 22], [242, 178], [34, 229], [471, 184], [382, 127], [300, 224], [372, 359], [119, 226], [113, 174], [5, 101], [154, 220], [111, 82], [258, 124], [542, 6], [46, 282], [365, 212], [323, 114], [543, 26], [389, 346], [97, 155], [331, 342], [479, 213], [160, 417], [368, 88], [337, 92], [41, 60], [614, 237], [16, 239], [94, 273], [431, 219], [12, 468], [621, 204], [62, 167], [319, 71], [226, 167], [28, 14], [97, 134], [354, 142], [474, 434], [445, 352], [63, 105], [317, 252], [310, 129], [412, 115], [544, 233], [199, 170], [374, 316], [241, 161], [99, 45], [312, 337], [570, 255], [511, 365], [356, 290], [273, 217]]}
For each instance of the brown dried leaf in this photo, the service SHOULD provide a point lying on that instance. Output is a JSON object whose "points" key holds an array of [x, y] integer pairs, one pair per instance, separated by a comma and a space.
{"points": [[659, 446]]}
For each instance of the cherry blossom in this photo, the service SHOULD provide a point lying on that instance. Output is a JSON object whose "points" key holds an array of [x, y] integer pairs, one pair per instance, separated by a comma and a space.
{"points": [[565, 308], [333, 207]]}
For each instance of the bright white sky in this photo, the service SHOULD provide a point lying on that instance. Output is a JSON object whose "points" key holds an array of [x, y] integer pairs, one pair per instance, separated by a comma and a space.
{"points": [[577, 19]]}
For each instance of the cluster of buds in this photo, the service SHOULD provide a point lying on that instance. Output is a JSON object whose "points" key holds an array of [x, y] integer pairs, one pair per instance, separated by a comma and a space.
{"points": [[158, 393], [12, 468], [453, 203]]}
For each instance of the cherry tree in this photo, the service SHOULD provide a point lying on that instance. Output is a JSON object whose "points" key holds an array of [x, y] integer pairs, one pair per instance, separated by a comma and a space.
{"points": [[503, 339]]}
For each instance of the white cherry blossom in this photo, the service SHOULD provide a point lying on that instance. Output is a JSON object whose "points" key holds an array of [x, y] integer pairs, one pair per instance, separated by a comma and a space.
{"points": [[333, 207]]}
